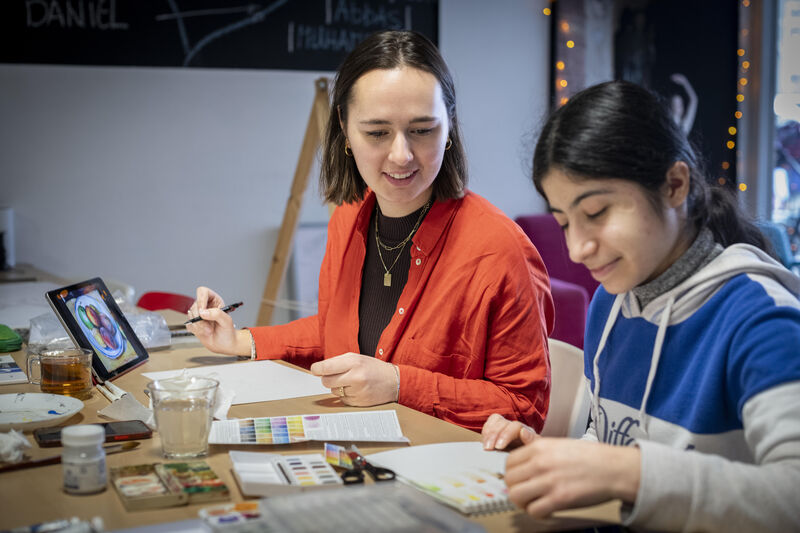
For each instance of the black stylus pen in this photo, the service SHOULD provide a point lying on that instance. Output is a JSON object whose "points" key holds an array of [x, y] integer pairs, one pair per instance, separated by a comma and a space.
{"points": [[227, 309]]}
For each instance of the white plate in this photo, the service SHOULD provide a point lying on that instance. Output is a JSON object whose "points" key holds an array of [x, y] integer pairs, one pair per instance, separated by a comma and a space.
{"points": [[31, 410]]}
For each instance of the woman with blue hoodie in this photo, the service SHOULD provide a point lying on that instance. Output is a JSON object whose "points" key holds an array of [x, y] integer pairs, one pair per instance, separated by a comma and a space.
{"points": [[692, 348]]}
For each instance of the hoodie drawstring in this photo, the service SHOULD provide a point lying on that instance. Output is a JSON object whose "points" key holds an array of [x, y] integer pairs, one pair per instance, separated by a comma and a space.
{"points": [[659, 343], [612, 318]]}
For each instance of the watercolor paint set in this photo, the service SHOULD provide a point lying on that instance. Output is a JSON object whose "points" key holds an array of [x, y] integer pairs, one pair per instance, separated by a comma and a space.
{"points": [[152, 486], [267, 474]]}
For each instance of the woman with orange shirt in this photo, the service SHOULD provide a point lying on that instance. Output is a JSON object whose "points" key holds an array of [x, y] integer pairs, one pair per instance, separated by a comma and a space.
{"points": [[428, 294]]}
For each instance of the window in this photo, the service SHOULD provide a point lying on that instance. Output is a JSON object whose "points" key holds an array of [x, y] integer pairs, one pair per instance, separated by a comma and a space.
{"points": [[786, 105]]}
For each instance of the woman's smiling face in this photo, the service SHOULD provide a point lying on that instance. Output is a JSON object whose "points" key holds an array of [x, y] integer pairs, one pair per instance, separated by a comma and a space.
{"points": [[397, 128]]}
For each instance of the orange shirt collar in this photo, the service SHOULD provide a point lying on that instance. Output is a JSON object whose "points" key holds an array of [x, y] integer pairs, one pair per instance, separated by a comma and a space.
{"points": [[429, 232]]}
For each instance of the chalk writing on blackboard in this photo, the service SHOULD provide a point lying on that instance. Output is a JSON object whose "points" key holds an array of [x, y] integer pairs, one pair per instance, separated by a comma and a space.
{"points": [[286, 34], [95, 15]]}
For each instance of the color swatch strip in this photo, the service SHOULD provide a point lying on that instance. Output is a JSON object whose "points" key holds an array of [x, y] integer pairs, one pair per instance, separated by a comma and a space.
{"points": [[272, 430]]}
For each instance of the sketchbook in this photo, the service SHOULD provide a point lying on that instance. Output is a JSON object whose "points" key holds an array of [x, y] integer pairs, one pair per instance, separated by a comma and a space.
{"points": [[460, 474]]}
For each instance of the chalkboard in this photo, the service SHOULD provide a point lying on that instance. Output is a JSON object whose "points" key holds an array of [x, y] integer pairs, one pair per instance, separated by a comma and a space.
{"points": [[261, 34]]}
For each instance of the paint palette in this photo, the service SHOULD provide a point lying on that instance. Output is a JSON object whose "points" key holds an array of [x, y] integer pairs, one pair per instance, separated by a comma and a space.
{"points": [[156, 485], [267, 474]]}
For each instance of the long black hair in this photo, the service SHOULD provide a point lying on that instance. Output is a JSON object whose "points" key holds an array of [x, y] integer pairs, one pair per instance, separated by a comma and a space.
{"points": [[340, 181], [620, 130]]}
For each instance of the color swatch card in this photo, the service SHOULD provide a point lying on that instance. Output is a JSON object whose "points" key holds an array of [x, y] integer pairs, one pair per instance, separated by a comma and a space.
{"points": [[367, 426], [10, 372], [266, 474]]}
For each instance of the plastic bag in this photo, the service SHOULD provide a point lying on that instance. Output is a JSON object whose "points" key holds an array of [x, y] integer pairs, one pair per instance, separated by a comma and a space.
{"points": [[150, 327], [47, 333]]}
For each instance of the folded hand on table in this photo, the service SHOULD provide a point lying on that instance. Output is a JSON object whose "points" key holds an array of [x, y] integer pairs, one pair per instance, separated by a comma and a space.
{"points": [[216, 331], [359, 380]]}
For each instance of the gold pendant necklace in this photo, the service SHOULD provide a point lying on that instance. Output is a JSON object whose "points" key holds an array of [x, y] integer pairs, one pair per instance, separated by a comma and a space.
{"points": [[387, 276]]}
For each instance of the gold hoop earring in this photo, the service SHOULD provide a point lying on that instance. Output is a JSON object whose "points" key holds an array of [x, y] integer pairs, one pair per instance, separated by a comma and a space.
{"points": [[449, 144], [347, 150]]}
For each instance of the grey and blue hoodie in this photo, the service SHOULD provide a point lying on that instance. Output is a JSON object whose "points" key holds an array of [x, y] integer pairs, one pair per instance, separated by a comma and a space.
{"points": [[705, 379]]}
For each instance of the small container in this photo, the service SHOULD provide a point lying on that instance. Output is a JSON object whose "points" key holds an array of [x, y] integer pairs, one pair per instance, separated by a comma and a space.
{"points": [[83, 459]]}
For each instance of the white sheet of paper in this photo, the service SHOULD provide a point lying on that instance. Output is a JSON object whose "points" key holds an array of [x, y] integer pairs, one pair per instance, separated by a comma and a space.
{"points": [[23, 300], [255, 381]]}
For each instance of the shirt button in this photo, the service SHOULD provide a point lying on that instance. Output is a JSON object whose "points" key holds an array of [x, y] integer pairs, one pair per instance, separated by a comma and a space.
{"points": [[418, 248], [401, 310], [380, 351], [419, 262]]}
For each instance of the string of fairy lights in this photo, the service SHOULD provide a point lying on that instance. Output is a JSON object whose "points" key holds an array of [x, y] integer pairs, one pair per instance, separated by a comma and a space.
{"points": [[561, 82], [560, 79], [743, 71]]}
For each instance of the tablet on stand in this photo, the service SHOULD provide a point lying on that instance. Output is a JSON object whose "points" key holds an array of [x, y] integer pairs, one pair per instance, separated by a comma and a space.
{"points": [[94, 320]]}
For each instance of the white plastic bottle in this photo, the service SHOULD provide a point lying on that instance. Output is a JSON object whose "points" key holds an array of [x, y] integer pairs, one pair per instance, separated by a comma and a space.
{"points": [[83, 459]]}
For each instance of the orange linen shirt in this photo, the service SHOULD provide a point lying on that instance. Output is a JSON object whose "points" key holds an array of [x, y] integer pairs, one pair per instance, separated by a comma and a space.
{"points": [[469, 333]]}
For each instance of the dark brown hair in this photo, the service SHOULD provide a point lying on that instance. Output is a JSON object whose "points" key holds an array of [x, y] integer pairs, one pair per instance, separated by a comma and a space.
{"points": [[340, 181], [620, 130]]}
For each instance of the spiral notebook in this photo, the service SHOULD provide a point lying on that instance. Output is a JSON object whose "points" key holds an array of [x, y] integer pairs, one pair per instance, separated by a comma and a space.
{"points": [[460, 474]]}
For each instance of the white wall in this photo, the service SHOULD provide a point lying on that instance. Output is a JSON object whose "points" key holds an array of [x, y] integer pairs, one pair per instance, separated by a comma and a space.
{"points": [[170, 178], [499, 54]]}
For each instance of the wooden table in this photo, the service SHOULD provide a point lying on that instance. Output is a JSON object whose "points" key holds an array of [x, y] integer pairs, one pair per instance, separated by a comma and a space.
{"points": [[34, 495]]}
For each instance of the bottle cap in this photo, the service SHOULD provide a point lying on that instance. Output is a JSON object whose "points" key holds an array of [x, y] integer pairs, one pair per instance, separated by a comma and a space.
{"points": [[83, 435]]}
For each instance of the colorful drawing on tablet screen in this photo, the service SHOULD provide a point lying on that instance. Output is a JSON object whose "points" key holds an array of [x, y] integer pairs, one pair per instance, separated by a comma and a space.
{"points": [[98, 326]]}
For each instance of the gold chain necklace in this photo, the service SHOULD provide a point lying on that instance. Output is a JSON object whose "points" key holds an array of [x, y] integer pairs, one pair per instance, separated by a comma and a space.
{"points": [[387, 276]]}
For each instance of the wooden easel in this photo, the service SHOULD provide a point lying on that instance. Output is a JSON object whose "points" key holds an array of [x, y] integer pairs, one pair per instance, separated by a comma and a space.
{"points": [[315, 131]]}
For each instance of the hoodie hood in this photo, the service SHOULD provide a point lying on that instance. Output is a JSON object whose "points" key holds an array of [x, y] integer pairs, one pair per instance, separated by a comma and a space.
{"points": [[679, 303]]}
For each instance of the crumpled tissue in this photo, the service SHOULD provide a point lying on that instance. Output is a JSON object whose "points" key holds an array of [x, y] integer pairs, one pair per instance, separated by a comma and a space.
{"points": [[11, 446], [129, 408], [223, 403]]}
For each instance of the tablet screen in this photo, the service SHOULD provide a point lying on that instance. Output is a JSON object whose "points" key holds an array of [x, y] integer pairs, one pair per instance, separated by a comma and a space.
{"points": [[94, 321]]}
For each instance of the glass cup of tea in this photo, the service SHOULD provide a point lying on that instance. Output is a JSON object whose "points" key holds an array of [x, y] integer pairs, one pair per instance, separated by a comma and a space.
{"points": [[183, 409], [67, 372]]}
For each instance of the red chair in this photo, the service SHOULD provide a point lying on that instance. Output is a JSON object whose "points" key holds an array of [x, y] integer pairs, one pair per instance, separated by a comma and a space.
{"points": [[571, 284], [153, 301]]}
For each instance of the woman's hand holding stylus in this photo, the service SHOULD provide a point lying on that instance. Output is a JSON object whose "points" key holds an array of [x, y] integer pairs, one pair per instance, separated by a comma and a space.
{"points": [[216, 331]]}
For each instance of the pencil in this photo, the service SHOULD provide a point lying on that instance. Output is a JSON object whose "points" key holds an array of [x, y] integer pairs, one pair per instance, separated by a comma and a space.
{"points": [[55, 459], [227, 309]]}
